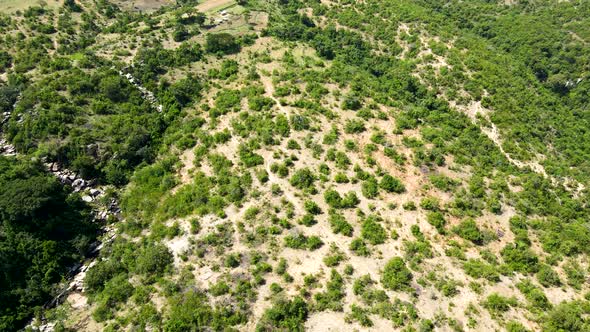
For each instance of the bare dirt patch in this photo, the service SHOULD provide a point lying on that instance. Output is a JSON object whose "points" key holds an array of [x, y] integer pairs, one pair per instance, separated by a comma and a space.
{"points": [[143, 5], [210, 5], [10, 6]]}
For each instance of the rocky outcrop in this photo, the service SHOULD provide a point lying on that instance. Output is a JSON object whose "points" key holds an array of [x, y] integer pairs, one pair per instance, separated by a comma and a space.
{"points": [[147, 94]]}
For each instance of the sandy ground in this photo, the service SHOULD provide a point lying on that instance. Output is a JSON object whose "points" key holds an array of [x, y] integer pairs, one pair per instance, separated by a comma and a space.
{"points": [[187, 158], [429, 303]]}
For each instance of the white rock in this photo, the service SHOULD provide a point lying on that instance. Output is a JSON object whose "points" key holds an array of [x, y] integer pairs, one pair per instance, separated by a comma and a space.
{"points": [[95, 192]]}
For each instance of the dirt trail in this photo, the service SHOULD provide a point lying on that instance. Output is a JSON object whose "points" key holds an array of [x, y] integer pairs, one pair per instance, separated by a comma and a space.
{"points": [[188, 160], [492, 132], [270, 90]]}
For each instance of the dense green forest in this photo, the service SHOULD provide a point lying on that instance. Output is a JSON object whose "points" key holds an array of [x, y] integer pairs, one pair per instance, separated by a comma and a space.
{"points": [[296, 165], [44, 230]]}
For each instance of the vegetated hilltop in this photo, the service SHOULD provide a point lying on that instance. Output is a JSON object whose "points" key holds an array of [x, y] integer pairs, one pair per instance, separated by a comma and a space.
{"points": [[301, 164]]}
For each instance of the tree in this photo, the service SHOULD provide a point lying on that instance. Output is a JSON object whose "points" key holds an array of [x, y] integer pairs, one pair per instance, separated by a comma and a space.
{"points": [[186, 90], [73, 6], [302, 179], [200, 18], [222, 43], [114, 87], [351, 102], [180, 33], [8, 95], [43, 231], [5, 61], [153, 259]]}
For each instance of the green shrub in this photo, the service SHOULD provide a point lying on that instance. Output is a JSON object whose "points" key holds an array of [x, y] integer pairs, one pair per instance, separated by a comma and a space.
{"points": [[409, 206], [219, 288], [575, 274], [390, 152], [233, 260], [497, 304], [365, 288], [396, 276], [300, 241], [249, 158], [468, 230], [447, 287], [547, 276], [117, 290], [190, 311], [426, 325], [153, 259], [359, 315], [534, 295], [430, 203], [372, 231], [418, 250], [370, 188], [567, 316], [476, 268], [300, 122], [520, 258], [251, 213], [312, 207], [288, 315], [443, 182], [334, 257], [303, 179], [514, 326], [354, 126], [339, 224], [281, 266], [335, 201], [391, 184], [359, 247], [349, 201], [437, 220], [307, 220], [331, 299], [262, 176], [293, 145], [341, 178]]}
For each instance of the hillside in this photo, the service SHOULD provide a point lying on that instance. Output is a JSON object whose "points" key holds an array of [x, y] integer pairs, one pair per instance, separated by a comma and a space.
{"points": [[295, 165]]}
